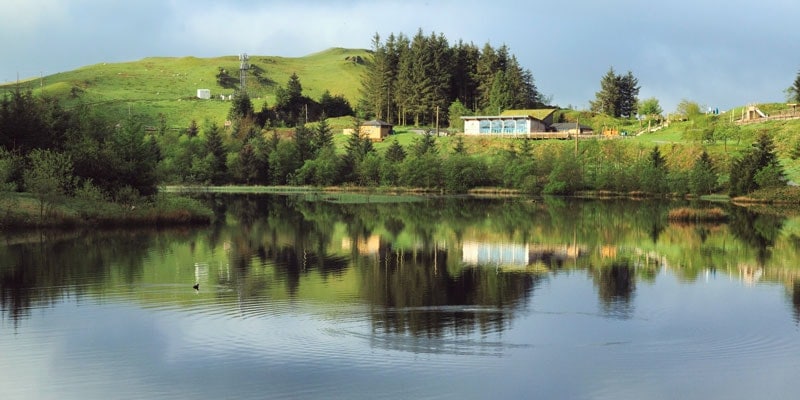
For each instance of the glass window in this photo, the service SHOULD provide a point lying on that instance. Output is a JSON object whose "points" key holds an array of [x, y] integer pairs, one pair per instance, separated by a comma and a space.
{"points": [[497, 126], [522, 126], [508, 126], [485, 126]]}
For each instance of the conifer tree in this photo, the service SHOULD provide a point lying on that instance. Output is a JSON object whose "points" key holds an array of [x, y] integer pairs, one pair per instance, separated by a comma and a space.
{"points": [[375, 87], [323, 136], [303, 140], [628, 100], [758, 168], [486, 69], [702, 177], [216, 150], [794, 90], [395, 152], [607, 99], [618, 95]]}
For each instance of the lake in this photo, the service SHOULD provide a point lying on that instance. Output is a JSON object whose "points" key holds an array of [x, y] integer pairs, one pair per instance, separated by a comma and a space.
{"points": [[335, 296]]}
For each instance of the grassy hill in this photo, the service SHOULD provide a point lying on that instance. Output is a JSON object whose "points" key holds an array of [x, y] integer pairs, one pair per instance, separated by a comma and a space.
{"points": [[168, 86]]}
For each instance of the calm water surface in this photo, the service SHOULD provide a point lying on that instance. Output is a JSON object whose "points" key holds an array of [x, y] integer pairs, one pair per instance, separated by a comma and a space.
{"points": [[312, 298]]}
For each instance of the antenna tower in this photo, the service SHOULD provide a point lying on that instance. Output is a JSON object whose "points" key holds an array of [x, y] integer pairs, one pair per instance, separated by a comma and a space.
{"points": [[243, 67]]}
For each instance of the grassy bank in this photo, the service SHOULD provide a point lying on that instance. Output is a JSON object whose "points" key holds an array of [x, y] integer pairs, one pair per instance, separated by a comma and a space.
{"points": [[21, 210]]}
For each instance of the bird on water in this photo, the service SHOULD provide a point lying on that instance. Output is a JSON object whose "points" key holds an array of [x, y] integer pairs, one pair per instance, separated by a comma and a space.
{"points": [[196, 286]]}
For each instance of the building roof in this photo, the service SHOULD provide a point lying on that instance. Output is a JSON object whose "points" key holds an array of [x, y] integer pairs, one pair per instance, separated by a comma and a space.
{"points": [[539, 114], [498, 116], [565, 126], [376, 122]]}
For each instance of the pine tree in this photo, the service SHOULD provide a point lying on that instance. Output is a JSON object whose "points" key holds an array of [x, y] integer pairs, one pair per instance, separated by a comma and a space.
{"points": [[241, 107], [618, 95], [421, 74], [323, 136], [702, 177], [653, 173], [757, 168], [289, 101], [454, 114], [374, 84], [794, 90], [247, 170], [522, 90], [404, 85], [216, 149], [486, 68], [425, 145], [395, 152], [192, 130], [628, 100], [501, 96], [607, 99], [303, 138], [356, 148], [463, 85]]}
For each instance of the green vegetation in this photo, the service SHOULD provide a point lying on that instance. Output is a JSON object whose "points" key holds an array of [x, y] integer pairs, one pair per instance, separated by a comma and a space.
{"points": [[93, 138], [166, 87], [618, 95], [688, 214], [88, 208]]}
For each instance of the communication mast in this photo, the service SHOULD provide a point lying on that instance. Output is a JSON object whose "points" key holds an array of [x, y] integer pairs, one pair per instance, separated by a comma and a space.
{"points": [[243, 67]]}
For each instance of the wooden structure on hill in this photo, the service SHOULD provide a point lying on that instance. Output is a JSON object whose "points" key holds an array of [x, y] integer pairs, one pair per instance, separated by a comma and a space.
{"points": [[572, 128], [374, 130]]}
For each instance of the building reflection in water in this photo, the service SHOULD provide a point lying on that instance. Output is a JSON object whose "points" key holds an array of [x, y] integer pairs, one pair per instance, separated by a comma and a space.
{"points": [[515, 255]]}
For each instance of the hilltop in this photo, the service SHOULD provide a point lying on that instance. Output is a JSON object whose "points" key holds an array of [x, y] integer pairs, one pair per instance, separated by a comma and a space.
{"points": [[168, 85]]}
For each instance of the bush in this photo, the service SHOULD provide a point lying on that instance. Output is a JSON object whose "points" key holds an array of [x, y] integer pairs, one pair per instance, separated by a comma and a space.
{"points": [[463, 173], [566, 177]]}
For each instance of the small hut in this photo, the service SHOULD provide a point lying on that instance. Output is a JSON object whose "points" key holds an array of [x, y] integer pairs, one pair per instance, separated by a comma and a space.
{"points": [[375, 130]]}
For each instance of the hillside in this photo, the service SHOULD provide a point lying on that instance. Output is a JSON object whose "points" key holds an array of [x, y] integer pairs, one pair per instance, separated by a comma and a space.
{"points": [[168, 85]]}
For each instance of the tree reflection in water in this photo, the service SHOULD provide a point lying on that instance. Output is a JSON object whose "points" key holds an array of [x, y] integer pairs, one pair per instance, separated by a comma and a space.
{"points": [[615, 288], [426, 268], [415, 293]]}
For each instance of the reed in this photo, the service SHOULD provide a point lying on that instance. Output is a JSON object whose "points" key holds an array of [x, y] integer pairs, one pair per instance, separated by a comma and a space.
{"points": [[688, 214]]}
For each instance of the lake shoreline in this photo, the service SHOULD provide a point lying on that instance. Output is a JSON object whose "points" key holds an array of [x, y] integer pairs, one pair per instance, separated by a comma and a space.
{"points": [[175, 207]]}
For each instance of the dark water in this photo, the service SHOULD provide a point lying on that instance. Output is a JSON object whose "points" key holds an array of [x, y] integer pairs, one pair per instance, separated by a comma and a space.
{"points": [[453, 299]]}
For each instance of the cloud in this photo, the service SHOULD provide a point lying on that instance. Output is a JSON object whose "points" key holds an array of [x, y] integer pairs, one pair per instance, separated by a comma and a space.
{"points": [[716, 52], [26, 16]]}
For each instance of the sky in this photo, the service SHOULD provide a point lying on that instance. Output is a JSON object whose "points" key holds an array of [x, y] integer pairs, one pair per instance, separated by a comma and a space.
{"points": [[718, 53]]}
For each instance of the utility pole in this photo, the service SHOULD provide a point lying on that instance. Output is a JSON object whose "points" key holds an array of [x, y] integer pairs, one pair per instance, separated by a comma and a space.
{"points": [[577, 132], [437, 121], [243, 67]]}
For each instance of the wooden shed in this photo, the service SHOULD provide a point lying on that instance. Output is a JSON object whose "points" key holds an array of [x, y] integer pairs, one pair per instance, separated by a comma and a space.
{"points": [[375, 130], [572, 128]]}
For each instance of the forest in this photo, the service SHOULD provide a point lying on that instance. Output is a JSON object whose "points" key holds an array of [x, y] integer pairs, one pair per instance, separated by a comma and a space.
{"points": [[408, 79]]}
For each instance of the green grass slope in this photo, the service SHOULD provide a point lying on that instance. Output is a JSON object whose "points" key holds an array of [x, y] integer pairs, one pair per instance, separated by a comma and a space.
{"points": [[168, 85]]}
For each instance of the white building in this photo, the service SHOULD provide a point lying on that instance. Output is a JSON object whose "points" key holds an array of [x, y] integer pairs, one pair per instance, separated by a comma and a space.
{"points": [[204, 94], [510, 122]]}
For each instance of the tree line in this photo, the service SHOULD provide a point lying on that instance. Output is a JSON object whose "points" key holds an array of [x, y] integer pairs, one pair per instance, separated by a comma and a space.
{"points": [[51, 151], [45, 147], [409, 79], [250, 155]]}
